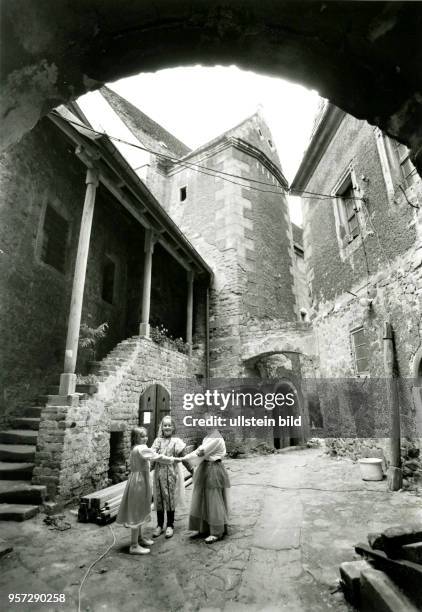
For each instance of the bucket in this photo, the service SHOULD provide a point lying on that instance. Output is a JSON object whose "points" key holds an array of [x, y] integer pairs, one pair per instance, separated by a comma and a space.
{"points": [[371, 468]]}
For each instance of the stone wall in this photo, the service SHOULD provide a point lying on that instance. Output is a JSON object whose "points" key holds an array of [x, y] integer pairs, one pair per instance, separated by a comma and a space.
{"points": [[43, 170], [387, 267], [244, 234], [73, 450]]}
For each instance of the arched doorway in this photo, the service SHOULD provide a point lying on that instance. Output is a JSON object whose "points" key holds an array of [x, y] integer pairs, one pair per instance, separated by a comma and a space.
{"points": [[284, 436], [154, 404], [363, 56]]}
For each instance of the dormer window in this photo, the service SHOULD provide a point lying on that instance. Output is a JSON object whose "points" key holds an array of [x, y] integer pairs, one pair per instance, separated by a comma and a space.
{"points": [[270, 142], [259, 132], [183, 192]]}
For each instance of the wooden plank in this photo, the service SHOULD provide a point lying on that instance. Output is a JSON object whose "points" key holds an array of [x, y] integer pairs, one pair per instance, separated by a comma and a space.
{"points": [[406, 574]]}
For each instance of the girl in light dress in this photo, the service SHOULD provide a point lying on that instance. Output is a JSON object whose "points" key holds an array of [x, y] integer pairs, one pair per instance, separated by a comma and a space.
{"points": [[168, 477], [209, 509], [135, 507]]}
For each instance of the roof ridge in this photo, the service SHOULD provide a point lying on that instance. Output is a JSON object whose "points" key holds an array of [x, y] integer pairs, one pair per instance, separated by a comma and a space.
{"points": [[143, 123]]}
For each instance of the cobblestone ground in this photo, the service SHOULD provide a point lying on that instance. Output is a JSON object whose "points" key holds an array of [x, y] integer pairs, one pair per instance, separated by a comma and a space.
{"points": [[295, 517]]}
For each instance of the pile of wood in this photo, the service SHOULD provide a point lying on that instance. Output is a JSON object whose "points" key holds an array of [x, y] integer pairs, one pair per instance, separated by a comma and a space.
{"points": [[389, 577], [102, 506]]}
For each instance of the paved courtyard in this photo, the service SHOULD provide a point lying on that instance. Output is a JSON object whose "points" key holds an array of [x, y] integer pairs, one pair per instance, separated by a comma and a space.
{"points": [[295, 518]]}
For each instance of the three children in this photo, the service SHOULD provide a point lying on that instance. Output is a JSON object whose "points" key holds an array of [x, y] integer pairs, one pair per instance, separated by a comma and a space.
{"points": [[209, 505]]}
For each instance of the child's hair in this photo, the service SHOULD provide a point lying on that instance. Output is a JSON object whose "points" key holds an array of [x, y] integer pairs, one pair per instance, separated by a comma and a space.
{"points": [[160, 429], [137, 434]]}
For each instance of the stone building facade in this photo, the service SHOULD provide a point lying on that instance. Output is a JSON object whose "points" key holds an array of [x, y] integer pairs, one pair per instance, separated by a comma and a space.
{"points": [[363, 247], [170, 251]]}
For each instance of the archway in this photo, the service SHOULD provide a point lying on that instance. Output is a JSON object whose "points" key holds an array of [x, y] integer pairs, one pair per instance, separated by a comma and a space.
{"points": [[289, 434], [353, 53], [154, 404]]}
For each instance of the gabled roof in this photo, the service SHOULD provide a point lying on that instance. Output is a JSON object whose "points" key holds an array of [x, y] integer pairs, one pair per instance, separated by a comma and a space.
{"points": [[147, 131], [240, 131], [327, 122], [123, 183]]}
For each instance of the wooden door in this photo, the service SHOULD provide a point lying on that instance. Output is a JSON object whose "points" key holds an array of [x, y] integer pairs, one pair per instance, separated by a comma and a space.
{"points": [[154, 404]]}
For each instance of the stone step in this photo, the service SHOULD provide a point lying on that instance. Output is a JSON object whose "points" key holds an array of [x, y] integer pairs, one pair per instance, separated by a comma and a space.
{"points": [[17, 512], [33, 411], [18, 436], [379, 593], [15, 471], [21, 492], [18, 453], [27, 423]]}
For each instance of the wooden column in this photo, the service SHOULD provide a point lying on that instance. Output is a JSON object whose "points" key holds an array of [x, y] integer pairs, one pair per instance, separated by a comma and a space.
{"points": [[394, 474], [68, 378], [189, 310], [146, 287]]}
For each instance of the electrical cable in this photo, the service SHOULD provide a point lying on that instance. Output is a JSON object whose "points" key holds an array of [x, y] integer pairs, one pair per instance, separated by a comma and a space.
{"points": [[92, 565], [206, 170]]}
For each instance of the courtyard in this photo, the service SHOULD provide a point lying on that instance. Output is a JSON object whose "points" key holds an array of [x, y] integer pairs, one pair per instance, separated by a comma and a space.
{"points": [[296, 516]]}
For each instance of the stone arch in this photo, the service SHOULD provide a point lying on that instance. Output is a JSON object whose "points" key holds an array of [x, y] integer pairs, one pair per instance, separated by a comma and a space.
{"points": [[353, 53]]}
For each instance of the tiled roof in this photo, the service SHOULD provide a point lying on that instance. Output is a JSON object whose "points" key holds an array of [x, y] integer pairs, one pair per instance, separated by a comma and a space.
{"points": [[147, 131]]}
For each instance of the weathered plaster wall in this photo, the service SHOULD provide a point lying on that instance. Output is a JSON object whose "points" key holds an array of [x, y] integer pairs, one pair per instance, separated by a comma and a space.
{"points": [[354, 143], [393, 275]]}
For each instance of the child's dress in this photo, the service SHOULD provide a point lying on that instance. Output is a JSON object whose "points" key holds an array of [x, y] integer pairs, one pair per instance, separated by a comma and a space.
{"points": [[135, 507], [209, 511], [168, 478]]}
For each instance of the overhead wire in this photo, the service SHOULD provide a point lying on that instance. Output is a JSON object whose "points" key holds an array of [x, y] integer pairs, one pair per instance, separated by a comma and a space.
{"points": [[206, 170]]}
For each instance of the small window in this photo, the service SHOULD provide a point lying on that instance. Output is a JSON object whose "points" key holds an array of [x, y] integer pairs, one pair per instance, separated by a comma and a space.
{"points": [[54, 239], [360, 351], [270, 142], [109, 277], [183, 193], [349, 212], [260, 132], [407, 169]]}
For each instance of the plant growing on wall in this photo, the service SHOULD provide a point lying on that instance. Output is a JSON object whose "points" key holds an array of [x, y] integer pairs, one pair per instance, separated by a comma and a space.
{"points": [[160, 335], [89, 337]]}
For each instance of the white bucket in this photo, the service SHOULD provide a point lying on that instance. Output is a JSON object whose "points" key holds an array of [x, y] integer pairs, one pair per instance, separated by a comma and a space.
{"points": [[371, 468]]}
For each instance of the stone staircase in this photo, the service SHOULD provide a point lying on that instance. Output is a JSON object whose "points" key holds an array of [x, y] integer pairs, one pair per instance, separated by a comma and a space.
{"points": [[19, 499], [118, 358]]}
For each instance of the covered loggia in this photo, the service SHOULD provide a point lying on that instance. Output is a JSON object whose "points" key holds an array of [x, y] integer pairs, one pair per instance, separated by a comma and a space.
{"points": [[352, 52]]}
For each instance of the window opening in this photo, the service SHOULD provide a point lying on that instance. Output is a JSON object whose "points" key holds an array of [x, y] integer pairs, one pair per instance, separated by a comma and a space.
{"points": [[360, 351], [54, 241]]}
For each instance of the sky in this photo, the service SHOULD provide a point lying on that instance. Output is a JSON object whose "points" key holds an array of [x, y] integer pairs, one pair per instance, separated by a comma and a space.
{"points": [[196, 104]]}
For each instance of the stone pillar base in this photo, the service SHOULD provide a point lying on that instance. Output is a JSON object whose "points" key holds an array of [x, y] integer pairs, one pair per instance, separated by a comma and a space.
{"points": [[144, 329], [394, 478], [67, 384]]}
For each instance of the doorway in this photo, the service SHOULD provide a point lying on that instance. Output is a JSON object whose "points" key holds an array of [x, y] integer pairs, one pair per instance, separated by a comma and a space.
{"points": [[288, 435], [154, 404]]}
